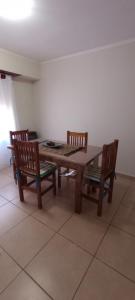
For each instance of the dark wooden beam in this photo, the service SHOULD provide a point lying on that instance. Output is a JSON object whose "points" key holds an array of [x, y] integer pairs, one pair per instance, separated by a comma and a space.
{"points": [[4, 73]]}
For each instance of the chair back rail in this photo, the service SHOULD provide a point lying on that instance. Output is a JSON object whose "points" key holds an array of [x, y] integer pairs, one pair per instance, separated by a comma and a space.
{"points": [[77, 138], [109, 156], [19, 135], [102, 178], [27, 157], [28, 166]]}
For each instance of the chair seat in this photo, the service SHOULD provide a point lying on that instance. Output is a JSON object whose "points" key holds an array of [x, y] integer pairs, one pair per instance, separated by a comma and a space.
{"points": [[93, 173], [29, 166], [102, 177], [46, 168]]}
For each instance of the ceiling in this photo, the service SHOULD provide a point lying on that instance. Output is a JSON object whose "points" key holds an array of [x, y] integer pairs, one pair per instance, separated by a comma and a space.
{"points": [[62, 27]]}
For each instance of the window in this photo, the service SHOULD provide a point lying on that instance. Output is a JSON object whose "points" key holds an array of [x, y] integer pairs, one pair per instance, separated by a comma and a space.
{"points": [[7, 117]]}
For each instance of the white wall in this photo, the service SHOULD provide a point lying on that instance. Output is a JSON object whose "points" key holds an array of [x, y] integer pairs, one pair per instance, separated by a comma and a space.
{"points": [[29, 70], [23, 92], [94, 92], [24, 105], [12, 62]]}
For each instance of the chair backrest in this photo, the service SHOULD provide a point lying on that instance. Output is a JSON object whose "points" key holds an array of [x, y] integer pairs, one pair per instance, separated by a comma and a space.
{"points": [[27, 157], [77, 138], [19, 135], [109, 157]]}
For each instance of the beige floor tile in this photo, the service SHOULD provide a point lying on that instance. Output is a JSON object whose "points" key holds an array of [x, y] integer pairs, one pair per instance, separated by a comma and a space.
{"points": [[66, 198], [54, 214], [25, 240], [9, 217], [118, 251], [109, 209], [9, 191], [103, 283], [3, 201], [29, 205], [119, 191], [8, 171], [67, 188], [8, 270], [85, 231], [5, 180], [125, 219], [129, 199], [23, 288], [59, 268], [124, 180]]}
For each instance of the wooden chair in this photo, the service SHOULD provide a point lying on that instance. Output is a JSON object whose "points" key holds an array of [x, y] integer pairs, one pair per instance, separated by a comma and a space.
{"points": [[75, 139], [19, 135], [29, 166], [102, 178]]}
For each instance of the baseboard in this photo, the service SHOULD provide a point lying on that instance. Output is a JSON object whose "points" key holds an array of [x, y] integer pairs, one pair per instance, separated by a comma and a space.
{"points": [[130, 177]]}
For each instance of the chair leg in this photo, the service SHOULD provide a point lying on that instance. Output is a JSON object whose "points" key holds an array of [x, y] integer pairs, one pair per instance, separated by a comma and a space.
{"points": [[94, 189], [101, 193], [39, 198], [54, 183], [59, 178], [20, 189], [88, 189], [67, 171], [110, 189], [14, 172]]}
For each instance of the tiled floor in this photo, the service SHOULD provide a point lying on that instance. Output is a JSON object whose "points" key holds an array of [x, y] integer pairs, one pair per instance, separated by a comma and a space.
{"points": [[56, 254]]}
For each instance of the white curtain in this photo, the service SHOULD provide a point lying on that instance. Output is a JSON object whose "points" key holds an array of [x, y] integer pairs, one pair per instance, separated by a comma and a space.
{"points": [[7, 118]]}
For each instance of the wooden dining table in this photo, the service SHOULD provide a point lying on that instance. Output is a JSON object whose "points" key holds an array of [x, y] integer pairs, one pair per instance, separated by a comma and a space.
{"points": [[74, 158], [77, 159]]}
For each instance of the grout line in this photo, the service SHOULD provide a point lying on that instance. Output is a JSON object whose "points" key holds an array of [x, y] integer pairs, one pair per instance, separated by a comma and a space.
{"points": [[101, 241], [5, 197], [58, 232], [76, 244], [11, 257], [91, 262], [40, 250], [23, 268], [110, 224], [23, 210], [81, 280], [49, 227], [17, 275], [38, 285], [2, 291], [125, 194], [3, 204], [8, 230], [111, 267], [94, 256], [122, 230], [44, 246]]}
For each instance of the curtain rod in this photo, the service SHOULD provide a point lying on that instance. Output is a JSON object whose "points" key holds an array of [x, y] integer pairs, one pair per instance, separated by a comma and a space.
{"points": [[4, 73]]}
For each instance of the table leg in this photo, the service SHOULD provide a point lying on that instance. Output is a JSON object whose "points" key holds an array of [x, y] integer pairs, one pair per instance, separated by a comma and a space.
{"points": [[78, 191], [96, 162]]}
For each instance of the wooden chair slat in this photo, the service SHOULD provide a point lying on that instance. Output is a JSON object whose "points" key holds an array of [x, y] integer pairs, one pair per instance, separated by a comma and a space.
{"points": [[75, 139], [103, 177], [19, 135], [28, 166]]}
